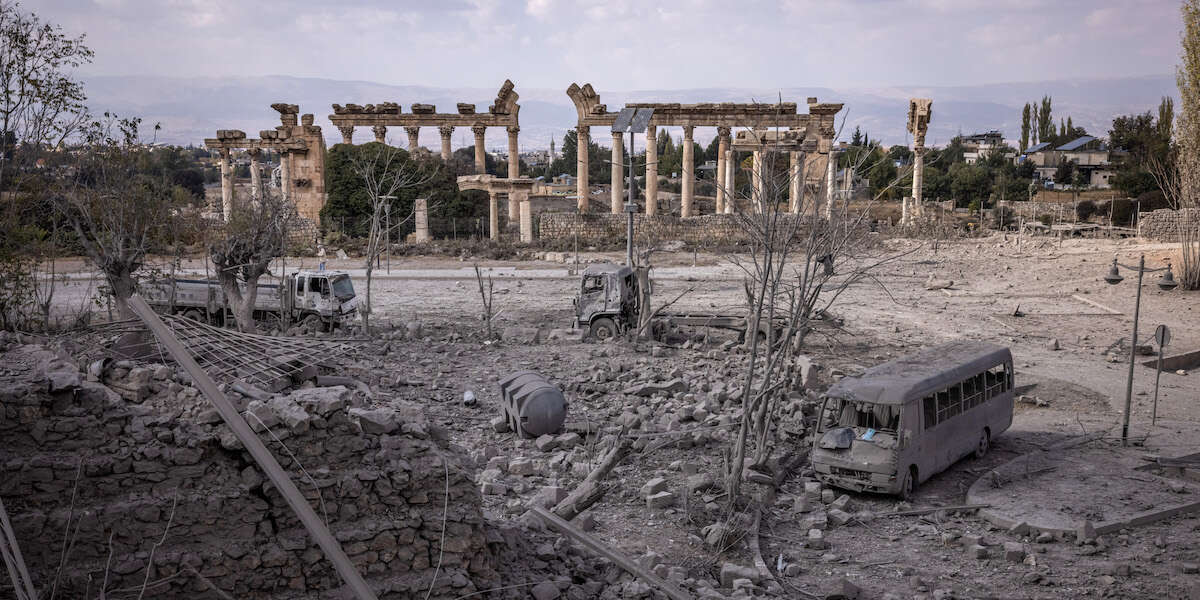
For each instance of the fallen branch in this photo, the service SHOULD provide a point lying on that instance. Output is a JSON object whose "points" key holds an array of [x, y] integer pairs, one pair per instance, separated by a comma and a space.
{"points": [[591, 489], [932, 509], [590, 542]]}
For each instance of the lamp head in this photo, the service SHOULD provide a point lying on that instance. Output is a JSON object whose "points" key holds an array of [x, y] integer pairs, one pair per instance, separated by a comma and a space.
{"points": [[1167, 282], [1114, 274]]}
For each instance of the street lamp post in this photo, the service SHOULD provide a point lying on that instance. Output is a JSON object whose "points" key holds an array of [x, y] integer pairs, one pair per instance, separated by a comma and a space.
{"points": [[1167, 282]]}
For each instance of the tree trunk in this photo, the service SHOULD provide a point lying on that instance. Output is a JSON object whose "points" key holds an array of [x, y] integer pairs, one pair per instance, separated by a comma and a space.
{"points": [[122, 288]]}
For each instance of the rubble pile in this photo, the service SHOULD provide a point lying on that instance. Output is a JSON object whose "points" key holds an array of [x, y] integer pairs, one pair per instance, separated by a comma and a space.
{"points": [[85, 462]]}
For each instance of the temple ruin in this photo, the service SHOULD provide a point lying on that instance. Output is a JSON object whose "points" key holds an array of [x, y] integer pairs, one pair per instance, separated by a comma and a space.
{"points": [[502, 113], [817, 125], [301, 149]]}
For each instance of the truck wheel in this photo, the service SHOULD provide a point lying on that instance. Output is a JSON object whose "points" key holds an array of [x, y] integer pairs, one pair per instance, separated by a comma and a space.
{"points": [[194, 315], [603, 329]]}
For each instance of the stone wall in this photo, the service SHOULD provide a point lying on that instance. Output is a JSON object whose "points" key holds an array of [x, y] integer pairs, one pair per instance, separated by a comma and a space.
{"points": [[1163, 224], [1032, 210], [605, 228], [140, 448]]}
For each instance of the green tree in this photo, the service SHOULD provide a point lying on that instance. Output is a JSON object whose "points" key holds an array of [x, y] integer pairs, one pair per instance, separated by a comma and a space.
{"points": [[1034, 119], [1065, 173], [1045, 120], [969, 183], [1166, 117], [349, 207], [1025, 124]]}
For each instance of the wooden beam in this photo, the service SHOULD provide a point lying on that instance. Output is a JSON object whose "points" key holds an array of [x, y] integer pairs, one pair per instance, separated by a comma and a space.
{"points": [[592, 488], [266, 461], [1109, 310], [671, 590]]}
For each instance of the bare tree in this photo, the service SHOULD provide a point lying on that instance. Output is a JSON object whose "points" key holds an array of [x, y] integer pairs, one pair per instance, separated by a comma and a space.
{"points": [[485, 294], [40, 105], [254, 235], [116, 210], [805, 252], [385, 172], [1184, 182]]}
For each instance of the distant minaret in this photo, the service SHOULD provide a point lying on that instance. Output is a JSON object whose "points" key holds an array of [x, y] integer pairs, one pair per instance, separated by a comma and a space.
{"points": [[551, 161]]}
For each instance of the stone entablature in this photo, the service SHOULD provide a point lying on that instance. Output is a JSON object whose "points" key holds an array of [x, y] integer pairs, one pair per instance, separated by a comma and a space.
{"points": [[518, 190], [502, 113]]}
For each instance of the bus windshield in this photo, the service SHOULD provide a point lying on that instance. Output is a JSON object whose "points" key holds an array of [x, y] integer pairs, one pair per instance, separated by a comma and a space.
{"points": [[840, 412]]}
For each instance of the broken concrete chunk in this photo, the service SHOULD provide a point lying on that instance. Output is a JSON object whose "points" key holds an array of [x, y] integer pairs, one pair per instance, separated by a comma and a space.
{"points": [[292, 415], [841, 503], [839, 517], [500, 425], [654, 486], [546, 443], [816, 539], [1014, 552], [843, 590], [660, 500], [521, 466], [375, 421], [322, 401], [569, 440], [651, 388], [545, 590], [731, 571]]}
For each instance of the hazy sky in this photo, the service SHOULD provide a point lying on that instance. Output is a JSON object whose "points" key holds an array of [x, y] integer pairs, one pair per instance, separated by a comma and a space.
{"points": [[629, 44]]}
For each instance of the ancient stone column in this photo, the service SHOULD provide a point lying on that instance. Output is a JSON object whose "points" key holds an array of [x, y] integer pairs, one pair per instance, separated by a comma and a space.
{"points": [[526, 222], [618, 171], [380, 132], [446, 131], [285, 176], [830, 183], [651, 170], [756, 181], [722, 149], [795, 181], [421, 218], [255, 173], [414, 136], [480, 153], [689, 171], [582, 190], [347, 133], [514, 154], [918, 180], [515, 198], [493, 216], [730, 181], [226, 184]]}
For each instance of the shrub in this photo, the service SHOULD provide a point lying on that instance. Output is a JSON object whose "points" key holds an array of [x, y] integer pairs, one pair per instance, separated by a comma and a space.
{"points": [[1085, 209]]}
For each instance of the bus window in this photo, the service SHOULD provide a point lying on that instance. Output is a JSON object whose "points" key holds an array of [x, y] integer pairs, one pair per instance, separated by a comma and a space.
{"points": [[955, 392], [930, 411], [943, 405], [1008, 380]]}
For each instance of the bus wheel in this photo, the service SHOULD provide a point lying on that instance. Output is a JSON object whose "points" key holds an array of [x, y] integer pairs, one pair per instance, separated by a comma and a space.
{"points": [[909, 485], [602, 329], [985, 439]]}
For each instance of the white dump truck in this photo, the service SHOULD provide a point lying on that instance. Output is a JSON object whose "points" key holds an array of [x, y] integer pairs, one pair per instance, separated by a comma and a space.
{"points": [[317, 297]]}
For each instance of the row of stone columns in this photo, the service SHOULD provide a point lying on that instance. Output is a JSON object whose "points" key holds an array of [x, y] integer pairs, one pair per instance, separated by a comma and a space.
{"points": [[446, 131], [688, 186], [224, 163]]}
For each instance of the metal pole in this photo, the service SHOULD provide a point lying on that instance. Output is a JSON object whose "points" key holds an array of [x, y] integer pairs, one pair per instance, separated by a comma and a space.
{"points": [[1137, 309], [1157, 376]]}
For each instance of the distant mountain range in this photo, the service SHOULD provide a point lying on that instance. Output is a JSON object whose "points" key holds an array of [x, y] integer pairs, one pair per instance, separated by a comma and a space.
{"points": [[191, 109]]}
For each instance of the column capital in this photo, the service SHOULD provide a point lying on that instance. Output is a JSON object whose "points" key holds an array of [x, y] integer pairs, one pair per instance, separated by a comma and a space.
{"points": [[411, 130], [583, 130], [513, 129], [224, 153], [479, 130], [254, 153], [687, 131], [618, 135], [446, 130], [347, 133], [724, 131], [380, 132]]}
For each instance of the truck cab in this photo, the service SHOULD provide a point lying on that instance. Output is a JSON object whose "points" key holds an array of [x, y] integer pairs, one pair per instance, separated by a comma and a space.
{"points": [[607, 303], [326, 294]]}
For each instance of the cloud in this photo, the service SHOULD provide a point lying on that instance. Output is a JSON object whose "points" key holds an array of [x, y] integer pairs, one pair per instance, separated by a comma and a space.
{"points": [[630, 44]]}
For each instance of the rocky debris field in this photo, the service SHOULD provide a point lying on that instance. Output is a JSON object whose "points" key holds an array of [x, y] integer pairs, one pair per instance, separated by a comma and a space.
{"points": [[675, 405]]}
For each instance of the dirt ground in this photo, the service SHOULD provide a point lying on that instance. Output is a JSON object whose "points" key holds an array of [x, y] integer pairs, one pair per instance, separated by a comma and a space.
{"points": [[1070, 346]]}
